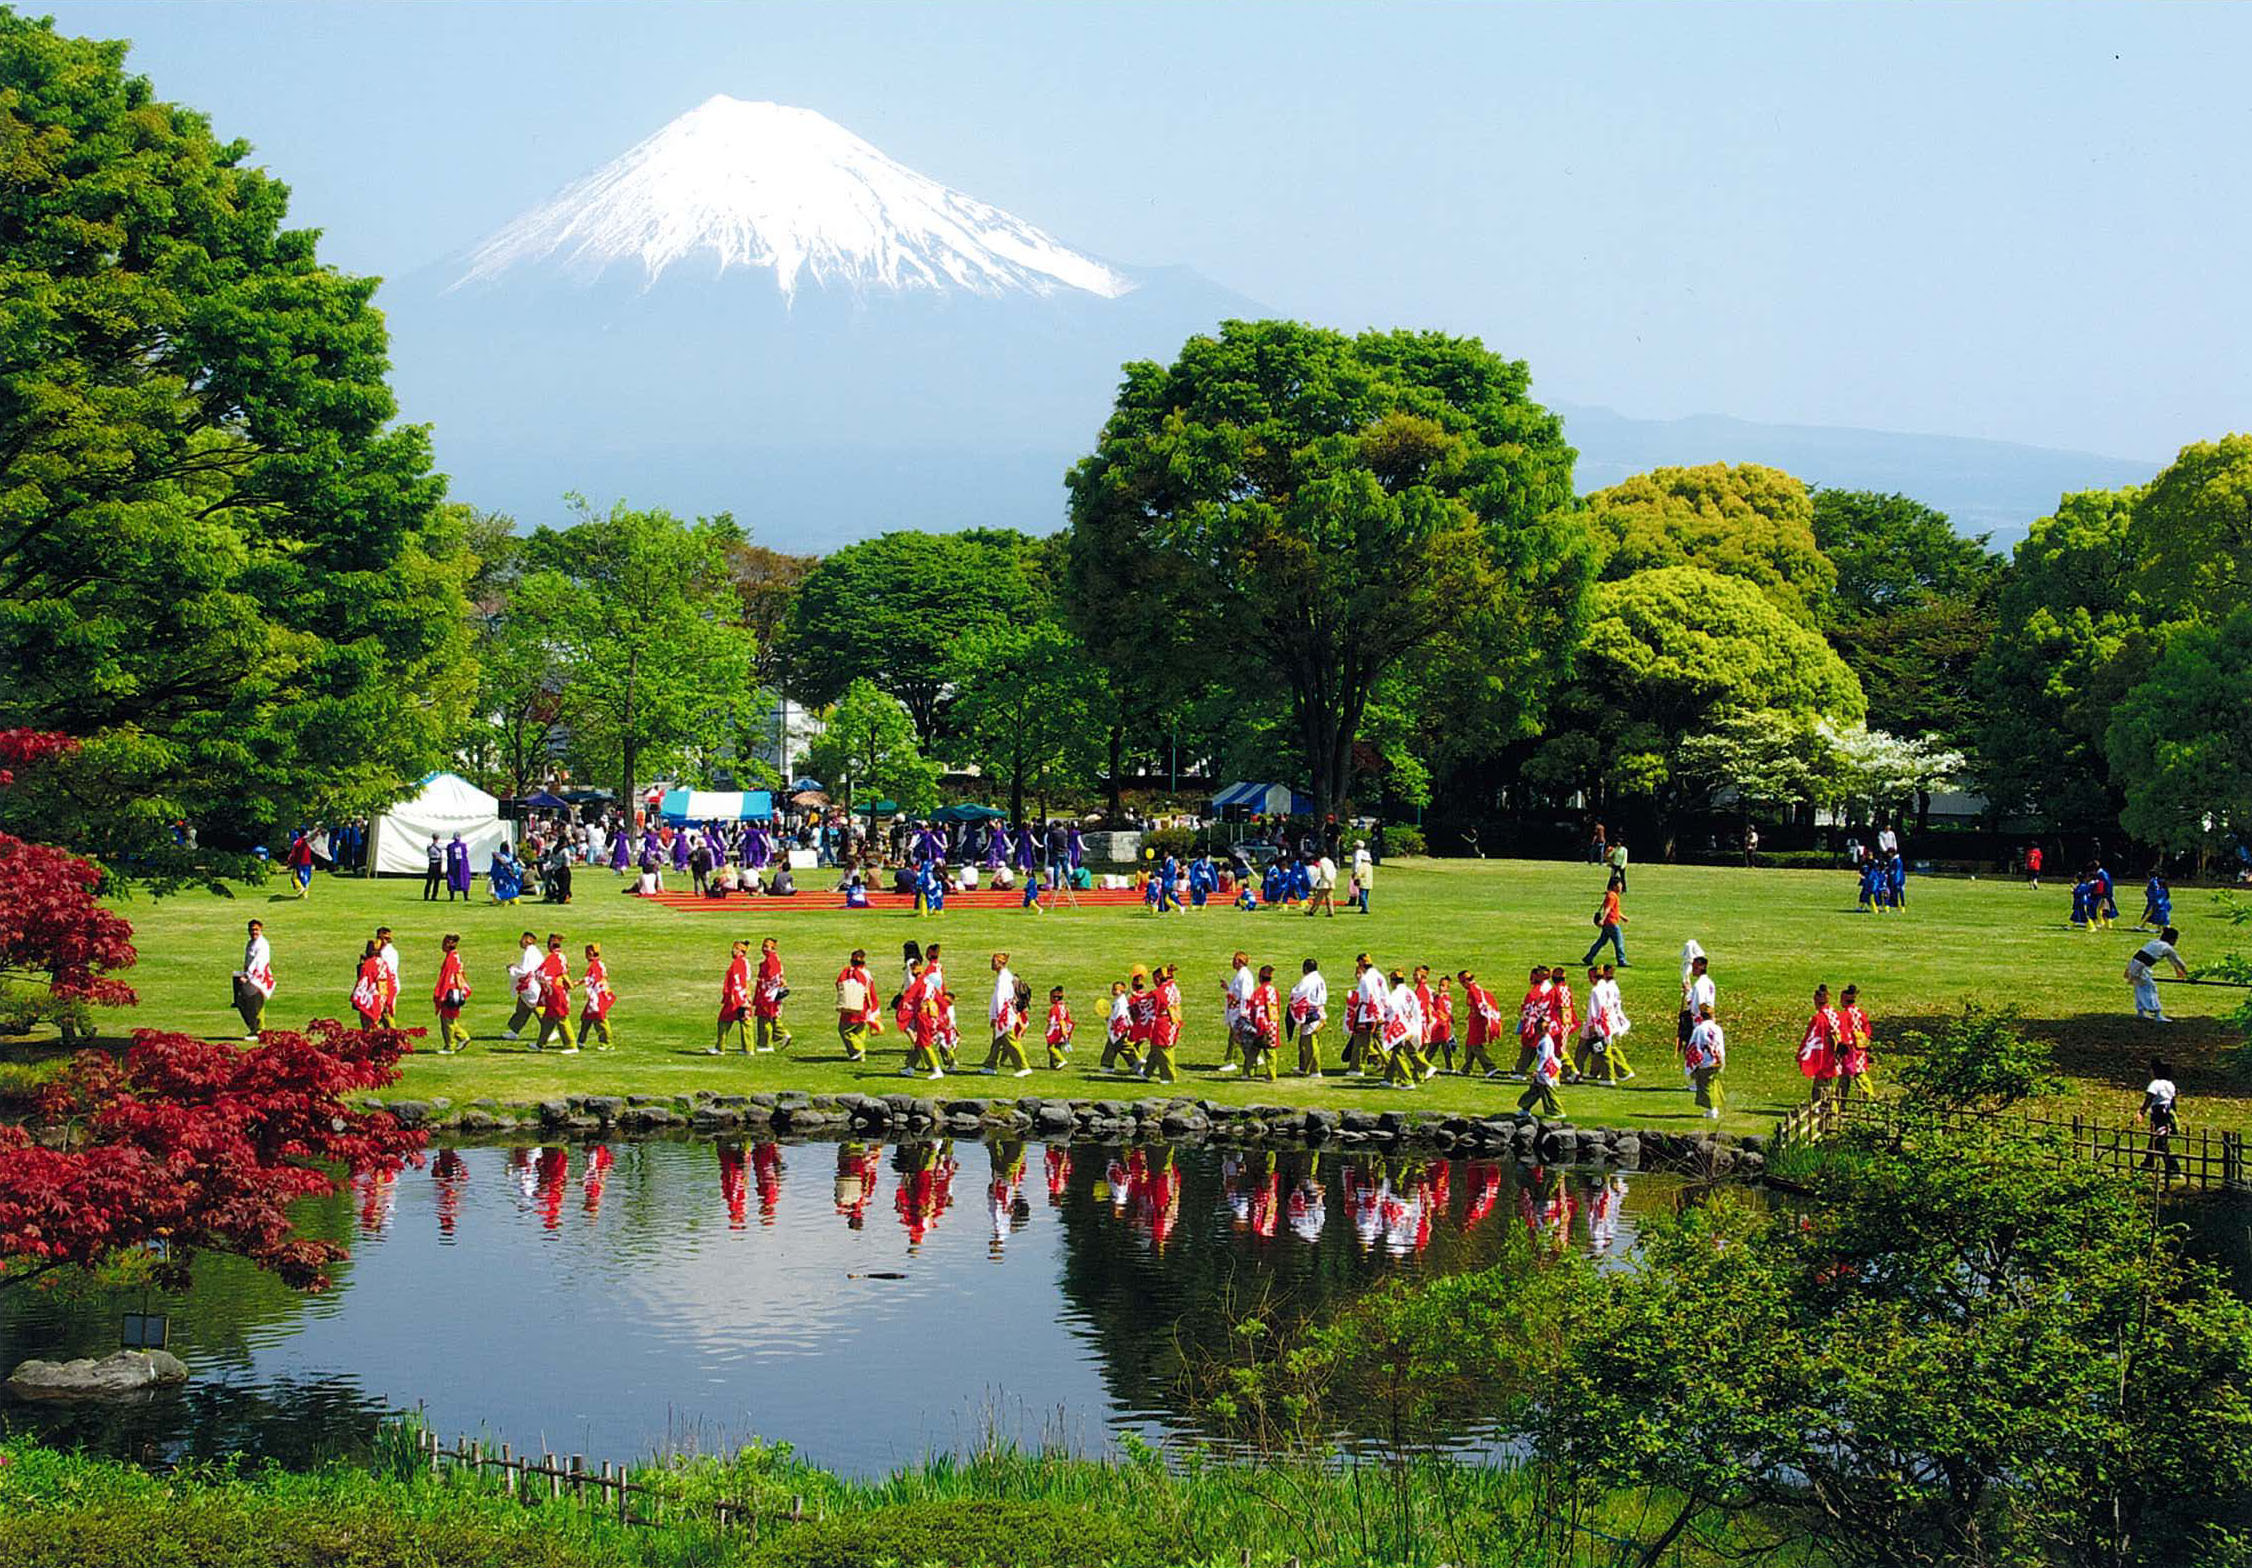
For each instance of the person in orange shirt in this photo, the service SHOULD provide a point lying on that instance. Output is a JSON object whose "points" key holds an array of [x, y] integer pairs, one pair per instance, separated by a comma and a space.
{"points": [[450, 995], [594, 1012], [1481, 1027], [1608, 920], [735, 1001], [767, 996], [555, 1000], [1060, 1028]]}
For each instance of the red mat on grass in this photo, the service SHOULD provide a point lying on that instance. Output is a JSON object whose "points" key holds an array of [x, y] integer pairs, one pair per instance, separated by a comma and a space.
{"points": [[830, 898]]}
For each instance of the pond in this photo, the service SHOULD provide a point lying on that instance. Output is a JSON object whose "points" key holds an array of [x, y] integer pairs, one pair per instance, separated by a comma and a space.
{"points": [[868, 1303]]}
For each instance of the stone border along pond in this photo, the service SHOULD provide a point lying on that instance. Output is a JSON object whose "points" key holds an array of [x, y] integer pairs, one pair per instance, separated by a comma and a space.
{"points": [[898, 1117]]}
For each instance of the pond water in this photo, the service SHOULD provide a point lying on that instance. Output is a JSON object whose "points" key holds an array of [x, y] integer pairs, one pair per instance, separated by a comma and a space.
{"points": [[868, 1303]]}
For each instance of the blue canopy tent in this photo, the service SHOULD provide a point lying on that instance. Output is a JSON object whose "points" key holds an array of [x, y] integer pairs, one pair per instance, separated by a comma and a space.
{"points": [[543, 801], [1261, 800], [716, 805], [968, 813]]}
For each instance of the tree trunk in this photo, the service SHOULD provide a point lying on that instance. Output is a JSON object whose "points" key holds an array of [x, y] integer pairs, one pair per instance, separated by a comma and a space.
{"points": [[1117, 768], [1016, 785]]}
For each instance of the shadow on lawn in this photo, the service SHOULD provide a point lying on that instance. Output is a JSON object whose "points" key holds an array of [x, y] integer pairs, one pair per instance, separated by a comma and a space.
{"points": [[2114, 1049]]}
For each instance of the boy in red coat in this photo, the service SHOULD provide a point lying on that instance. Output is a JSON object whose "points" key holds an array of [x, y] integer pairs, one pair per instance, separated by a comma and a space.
{"points": [[735, 1001]]}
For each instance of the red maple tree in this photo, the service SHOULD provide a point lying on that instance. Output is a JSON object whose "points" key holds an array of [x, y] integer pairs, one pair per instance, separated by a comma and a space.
{"points": [[53, 928], [198, 1147]]}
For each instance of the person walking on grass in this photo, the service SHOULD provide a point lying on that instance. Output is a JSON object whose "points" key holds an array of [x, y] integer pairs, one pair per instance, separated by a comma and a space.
{"points": [[1061, 1027], [1854, 1031], [2158, 903], [2033, 867], [1618, 863], [524, 984], [1438, 1017], [1234, 1011], [857, 1016], [450, 995], [388, 951], [1532, 1021], [1308, 1012], [918, 1022], [1263, 1017], [1118, 1032], [735, 1002], [1707, 1058], [767, 997], [1165, 1036], [1005, 1019], [594, 1012], [254, 981], [1604, 997], [1364, 876], [555, 1000], [1697, 990], [1364, 1017], [1818, 1046], [370, 987], [1401, 1033], [1324, 897], [2160, 1100], [2142, 973], [1547, 1068], [1608, 919], [1482, 1025]]}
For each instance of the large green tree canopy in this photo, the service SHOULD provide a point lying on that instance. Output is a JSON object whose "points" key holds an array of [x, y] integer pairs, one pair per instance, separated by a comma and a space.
{"points": [[220, 565], [1326, 507], [2180, 744], [1743, 520], [892, 609]]}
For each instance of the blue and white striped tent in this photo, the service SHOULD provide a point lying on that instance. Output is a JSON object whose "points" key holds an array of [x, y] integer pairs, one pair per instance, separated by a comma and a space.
{"points": [[1262, 800], [716, 805]]}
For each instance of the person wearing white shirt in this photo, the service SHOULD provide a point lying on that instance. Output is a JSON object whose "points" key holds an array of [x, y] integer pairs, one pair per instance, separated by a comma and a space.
{"points": [[524, 980], [1006, 1019], [254, 981], [1369, 997], [1307, 1012], [1324, 889], [1403, 1034], [1237, 1012], [2142, 973], [1888, 842], [1707, 1055], [1697, 990], [2159, 1099], [1364, 877], [388, 951]]}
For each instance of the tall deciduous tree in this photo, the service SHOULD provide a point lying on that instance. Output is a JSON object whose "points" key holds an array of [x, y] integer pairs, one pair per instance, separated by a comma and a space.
{"points": [[1031, 706], [221, 566], [891, 610], [2180, 743], [638, 608], [1743, 520], [867, 752], [2193, 528], [1326, 508]]}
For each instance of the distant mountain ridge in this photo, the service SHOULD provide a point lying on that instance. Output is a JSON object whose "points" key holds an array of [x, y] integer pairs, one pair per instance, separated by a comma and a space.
{"points": [[754, 310]]}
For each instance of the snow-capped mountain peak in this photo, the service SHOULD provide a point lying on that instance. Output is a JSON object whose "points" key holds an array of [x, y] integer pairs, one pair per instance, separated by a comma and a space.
{"points": [[739, 184]]}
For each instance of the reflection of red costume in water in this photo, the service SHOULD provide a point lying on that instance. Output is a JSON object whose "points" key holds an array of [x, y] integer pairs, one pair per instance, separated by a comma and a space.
{"points": [[857, 1169], [450, 1171], [1058, 1162], [731, 1185], [1485, 1192], [554, 1175], [1157, 1195], [599, 1159], [925, 1193], [766, 1171], [375, 1189]]}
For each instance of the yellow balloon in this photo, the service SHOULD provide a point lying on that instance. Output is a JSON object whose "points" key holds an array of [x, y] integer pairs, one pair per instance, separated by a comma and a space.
{"points": [[1149, 854]]}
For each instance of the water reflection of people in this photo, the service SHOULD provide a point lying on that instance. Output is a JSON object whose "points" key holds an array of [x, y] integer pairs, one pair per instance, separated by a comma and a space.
{"points": [[766, 1175], [1603, 1207], [1057, 1159], [1308, 1208], [926, 1187], [451, 1172], [1004, 1193], [733, 1189], [1485, 1191], [1547, 1207], [378, 1192], [1154, 1190], [1252, 1190], [857, 1169], [599, 1159], [552, 1176]]}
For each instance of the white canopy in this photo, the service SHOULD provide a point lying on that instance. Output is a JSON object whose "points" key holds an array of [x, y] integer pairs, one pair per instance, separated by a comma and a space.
{"points": [[443, 804]]}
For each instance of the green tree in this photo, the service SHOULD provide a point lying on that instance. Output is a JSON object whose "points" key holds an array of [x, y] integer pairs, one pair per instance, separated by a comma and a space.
{"points": [[1672, 651], [867, 752], [1327, 508], [637, 609], [1031, 706], [891, 610], [2071, 638], [2193, 533], [1763, 756], [2180, 744], [1742, 520], [221, 566]]}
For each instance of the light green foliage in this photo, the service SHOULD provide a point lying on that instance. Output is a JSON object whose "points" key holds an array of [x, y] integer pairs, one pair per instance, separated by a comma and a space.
{"points": [[2193, 547], [893, 608], [1981, 1062], [636, 608], [2068, 627], [1030, 706], [219, 563], [1885, 771], [868, 753], [1744, 521], [1326, 508], [2180, 744], [1767, 757]]}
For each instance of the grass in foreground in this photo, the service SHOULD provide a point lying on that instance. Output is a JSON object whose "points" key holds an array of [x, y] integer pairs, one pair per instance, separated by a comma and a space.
{"points": [[1771, 936]]}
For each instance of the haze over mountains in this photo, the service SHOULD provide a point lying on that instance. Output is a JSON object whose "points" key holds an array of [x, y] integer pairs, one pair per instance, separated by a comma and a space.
{"points": [[755, 310]]}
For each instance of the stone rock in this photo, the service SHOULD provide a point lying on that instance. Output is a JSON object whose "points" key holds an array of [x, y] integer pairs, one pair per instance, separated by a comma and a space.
{"points": [[716, 1118], [408, 1113], [554, 1113], [127, 1372], [602, 1107], [477, 1120]]}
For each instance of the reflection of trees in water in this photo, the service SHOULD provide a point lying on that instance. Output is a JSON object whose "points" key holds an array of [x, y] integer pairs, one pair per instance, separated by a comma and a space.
{"points": [[296, 1423], [1160, 1296]]}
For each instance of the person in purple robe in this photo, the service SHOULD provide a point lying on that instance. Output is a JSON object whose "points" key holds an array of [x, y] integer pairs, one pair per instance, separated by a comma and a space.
{"points": [[927, 847], [621, 850], [457, 869], [680, 849], [1077, 846], [760, 848], [1028, 850], [996, 836]]}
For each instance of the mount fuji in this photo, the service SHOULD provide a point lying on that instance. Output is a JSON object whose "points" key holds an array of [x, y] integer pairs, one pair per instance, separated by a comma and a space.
{"points": [[754, 310]]}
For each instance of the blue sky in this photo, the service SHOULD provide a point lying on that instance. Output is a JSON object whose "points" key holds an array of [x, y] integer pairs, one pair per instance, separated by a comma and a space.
{"points": [[2031, 222]]}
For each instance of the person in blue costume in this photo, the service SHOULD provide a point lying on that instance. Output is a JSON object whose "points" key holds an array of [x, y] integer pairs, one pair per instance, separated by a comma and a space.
{"points": [[2158, 904]]}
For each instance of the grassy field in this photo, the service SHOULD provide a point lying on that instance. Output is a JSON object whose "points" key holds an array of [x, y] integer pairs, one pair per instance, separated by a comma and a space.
{"points": [[1771, 936]]}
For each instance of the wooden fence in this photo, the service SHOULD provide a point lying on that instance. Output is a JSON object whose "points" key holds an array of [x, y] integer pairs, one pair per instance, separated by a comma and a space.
{"points": [[609, 1489], [2203, 1158]]}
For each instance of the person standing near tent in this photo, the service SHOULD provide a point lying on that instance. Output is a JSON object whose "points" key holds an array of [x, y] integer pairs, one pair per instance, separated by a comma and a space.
{"points": [[450, 995], [594, 1012], [2142, 973], [457, 869], [254, 981], [735, 1001], [766, 1002], [524, 983], [434, 877], [1308, 1012], [388, 951]]}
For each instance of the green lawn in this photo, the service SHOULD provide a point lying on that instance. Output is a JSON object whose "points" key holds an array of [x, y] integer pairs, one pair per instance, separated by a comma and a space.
{"points": [[1771, 935]]}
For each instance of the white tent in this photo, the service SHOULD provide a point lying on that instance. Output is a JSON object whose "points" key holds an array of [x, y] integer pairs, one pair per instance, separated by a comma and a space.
{"points": [[443, 804]]}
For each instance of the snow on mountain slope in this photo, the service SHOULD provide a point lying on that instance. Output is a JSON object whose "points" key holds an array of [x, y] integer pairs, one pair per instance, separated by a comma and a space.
{"points": [[739, 184]]}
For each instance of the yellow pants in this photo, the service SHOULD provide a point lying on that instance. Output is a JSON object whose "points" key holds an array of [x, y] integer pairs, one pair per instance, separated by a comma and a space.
{"points": [[854, 1034], [558, 1029], [1117, 1051], [1475, 1055], [1309, 1052], [453, 1034], [1405, 1064], [1058, 1055], [594, 1028], [1007, 1049], [1707, 1080], [742, 1031], [1161, 1068], [771, 1033]]}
